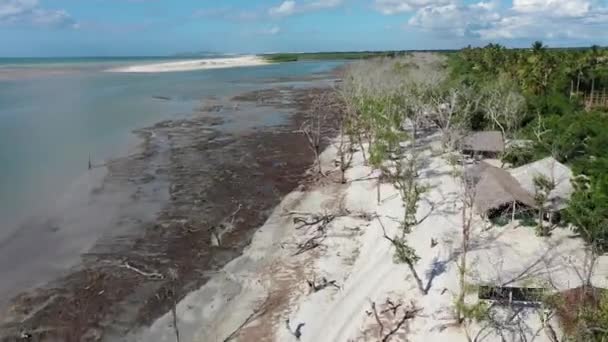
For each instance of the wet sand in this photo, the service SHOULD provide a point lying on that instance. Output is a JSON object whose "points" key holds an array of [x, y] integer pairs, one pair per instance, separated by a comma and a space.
{"points": [[217, 181]]}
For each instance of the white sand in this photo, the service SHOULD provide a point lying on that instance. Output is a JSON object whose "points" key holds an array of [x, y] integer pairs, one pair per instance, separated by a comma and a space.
{"points": [[357, 256], [198, 64]]}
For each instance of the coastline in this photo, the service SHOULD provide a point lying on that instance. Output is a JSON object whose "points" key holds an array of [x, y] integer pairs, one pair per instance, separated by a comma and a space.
{"points": [[113, 291], [265, 294], [191, 65]]}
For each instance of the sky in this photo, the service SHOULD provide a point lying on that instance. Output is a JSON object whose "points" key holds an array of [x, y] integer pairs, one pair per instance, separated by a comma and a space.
{"points": [[36, 28]]}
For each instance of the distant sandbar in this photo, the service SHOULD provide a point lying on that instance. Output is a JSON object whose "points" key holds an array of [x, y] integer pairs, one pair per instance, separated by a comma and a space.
{"points": [[199, 64]]}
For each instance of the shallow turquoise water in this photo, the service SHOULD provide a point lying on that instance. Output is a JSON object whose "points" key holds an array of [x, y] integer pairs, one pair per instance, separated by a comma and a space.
{"points": [[50, 125]]}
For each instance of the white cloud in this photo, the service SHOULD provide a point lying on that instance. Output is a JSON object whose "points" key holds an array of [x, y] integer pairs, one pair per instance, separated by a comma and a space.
{"points": [[286, 8], [389, 7], [524, 19], [273, 31], [550, 19], [456, 19], [10, 8], [29, 12], [290, 7], [542, 27], [559, 8]]}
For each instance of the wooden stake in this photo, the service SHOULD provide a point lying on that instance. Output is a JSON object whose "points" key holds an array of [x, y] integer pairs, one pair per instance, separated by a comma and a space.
{"points": [[513, 213]]}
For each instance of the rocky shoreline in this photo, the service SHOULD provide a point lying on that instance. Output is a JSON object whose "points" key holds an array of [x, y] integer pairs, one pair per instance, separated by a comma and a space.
{"points": [[219, 187]]}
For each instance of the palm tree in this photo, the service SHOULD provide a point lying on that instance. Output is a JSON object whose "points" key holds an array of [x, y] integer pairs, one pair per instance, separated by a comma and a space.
{"points": [[538, 47]]}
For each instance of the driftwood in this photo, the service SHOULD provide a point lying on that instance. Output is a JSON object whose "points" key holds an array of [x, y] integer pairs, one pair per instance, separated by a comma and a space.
{"points": [[324, 283], [310, 244], [233, 216], [296, 333], [391, 307], [408, 314], [321, 220], [151, 275]]}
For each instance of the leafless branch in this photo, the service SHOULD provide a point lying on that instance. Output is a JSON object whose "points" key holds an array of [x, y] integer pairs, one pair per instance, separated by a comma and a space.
{"points": [[408, 314], [151, 275], [310, 244]]}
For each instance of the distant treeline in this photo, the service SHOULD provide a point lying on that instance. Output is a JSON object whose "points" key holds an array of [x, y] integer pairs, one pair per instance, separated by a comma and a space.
{"points": [[354, 55], [351, 55]]}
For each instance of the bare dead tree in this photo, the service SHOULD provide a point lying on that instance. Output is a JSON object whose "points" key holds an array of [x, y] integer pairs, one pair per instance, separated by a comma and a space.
{"points": [[467, 212], [503, 106], [312, 128], [390, 315], [351, 123], [450, 110], [345, 146]]}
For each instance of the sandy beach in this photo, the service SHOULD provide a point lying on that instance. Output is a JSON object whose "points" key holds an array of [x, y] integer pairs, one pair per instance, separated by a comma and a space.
{"points": [[237, 255], [198, 64], [255, 296]]}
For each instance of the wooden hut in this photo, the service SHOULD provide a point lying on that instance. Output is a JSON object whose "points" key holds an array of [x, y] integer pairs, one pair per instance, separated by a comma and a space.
{"points": [[488, 144], [495, 190], [559, 174]]}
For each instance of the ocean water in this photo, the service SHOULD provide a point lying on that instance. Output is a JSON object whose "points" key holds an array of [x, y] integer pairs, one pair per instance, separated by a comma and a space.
{"points": [[56, 114]]}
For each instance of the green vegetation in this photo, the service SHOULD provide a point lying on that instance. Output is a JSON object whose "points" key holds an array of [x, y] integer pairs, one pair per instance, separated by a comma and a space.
{"points": [[545, 99], [380, 97], [583, 314], [563, 116], [594, 319], [311, 56], [560, 118]]}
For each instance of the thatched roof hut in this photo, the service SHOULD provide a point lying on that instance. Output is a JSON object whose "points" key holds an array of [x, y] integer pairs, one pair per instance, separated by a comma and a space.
{"points": [[495, 188], [559, 174], [487, 142]]}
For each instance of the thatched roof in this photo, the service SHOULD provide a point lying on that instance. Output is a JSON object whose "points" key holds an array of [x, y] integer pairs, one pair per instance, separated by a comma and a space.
{"points": [[559, 174], [473, 173], [496, 187], [488, 141]]}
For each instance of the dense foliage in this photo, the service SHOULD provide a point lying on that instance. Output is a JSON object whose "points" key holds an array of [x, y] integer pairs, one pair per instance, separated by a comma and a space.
{"points": [[560, 120], [556, 85], [293, 57]]}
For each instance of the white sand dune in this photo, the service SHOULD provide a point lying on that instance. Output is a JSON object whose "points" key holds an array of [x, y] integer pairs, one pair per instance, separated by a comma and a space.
{"points": [[197, 64], [257, 292]]}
